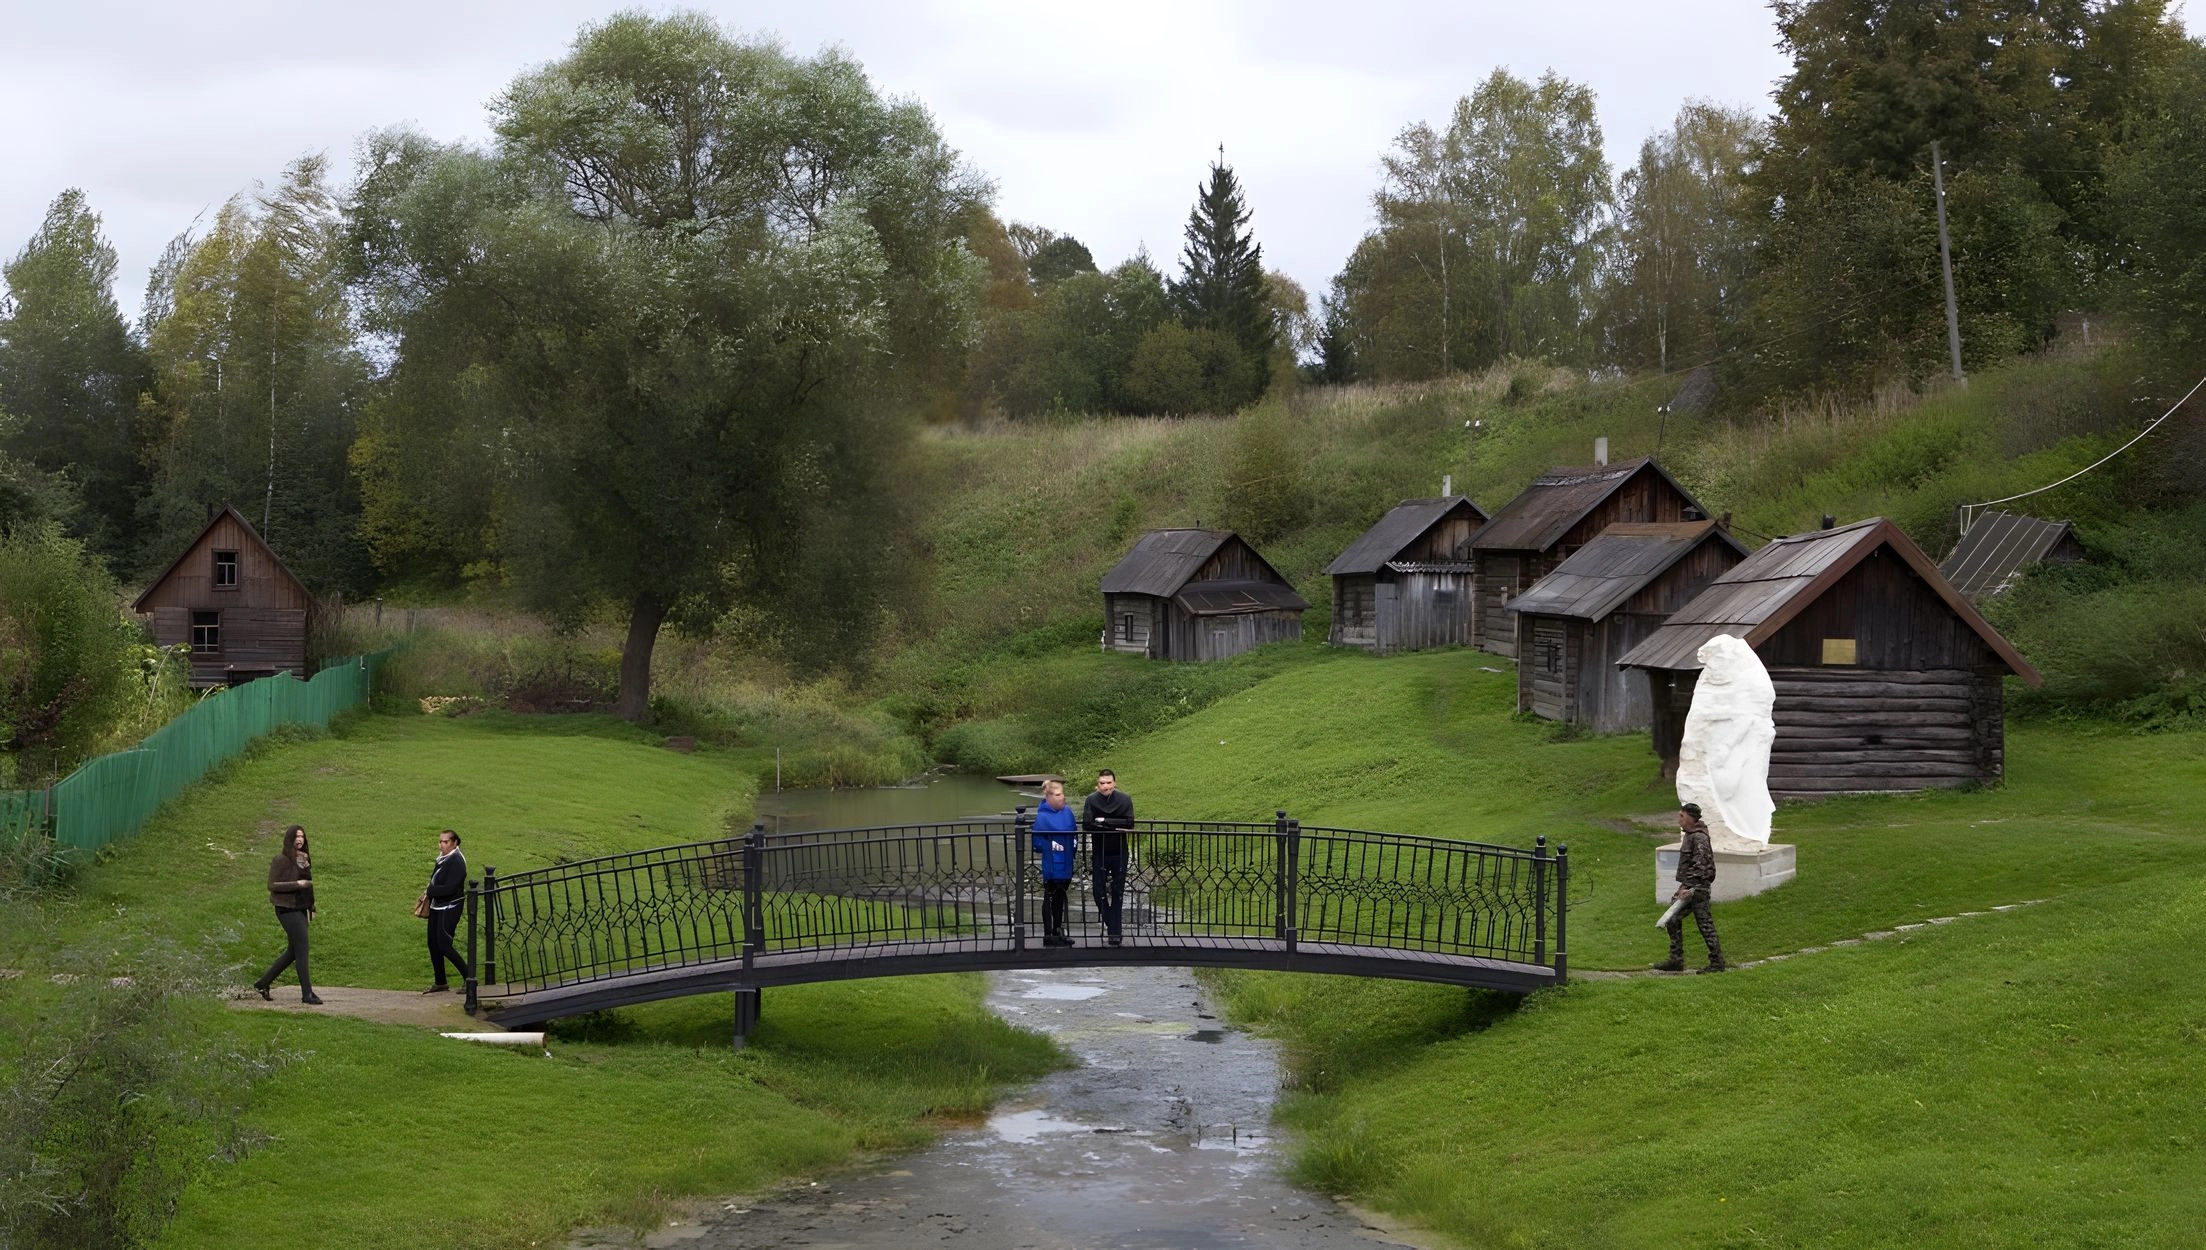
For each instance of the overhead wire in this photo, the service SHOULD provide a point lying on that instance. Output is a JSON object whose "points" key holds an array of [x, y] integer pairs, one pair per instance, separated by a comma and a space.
{"points": [[1969, 510]]}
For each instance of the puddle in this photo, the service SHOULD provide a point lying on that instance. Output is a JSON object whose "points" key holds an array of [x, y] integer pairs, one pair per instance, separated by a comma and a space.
{"points": [[1213, 1036], [1066, 993], [1029, 1126]]}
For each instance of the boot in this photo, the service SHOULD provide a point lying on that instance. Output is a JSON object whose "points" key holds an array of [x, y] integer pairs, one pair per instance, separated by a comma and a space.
{"points": [[1675, 963], [1716, 962]]}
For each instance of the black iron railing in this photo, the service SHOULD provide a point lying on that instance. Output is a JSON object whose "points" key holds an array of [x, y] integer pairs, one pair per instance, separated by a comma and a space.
{"points": [[1273, 886]]}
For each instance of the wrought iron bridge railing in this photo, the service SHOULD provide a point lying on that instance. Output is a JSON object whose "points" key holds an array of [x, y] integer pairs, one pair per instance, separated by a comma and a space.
{"points": [[787, 908]]}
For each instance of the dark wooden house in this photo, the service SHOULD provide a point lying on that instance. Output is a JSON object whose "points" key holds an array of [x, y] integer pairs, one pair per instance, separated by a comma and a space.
{"points": [[1196, 595], [2000, 546], [1610, 595], [1406, 583], [1887, 678], [1558, 513], [230, 599]]}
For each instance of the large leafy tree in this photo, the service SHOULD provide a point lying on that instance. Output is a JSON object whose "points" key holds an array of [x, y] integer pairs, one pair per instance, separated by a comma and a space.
{"points": [[2023, 99], [1684, 238], [665, 335], [1220, 287], [261, 379], [1489, 235], [71, 372]]}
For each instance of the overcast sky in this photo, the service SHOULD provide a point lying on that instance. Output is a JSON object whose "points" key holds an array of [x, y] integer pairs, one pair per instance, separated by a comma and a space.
{"points": [[1095, 120]]}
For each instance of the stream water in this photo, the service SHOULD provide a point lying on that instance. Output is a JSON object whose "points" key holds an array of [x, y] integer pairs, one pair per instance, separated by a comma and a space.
{"points": [[1159, 1138]]}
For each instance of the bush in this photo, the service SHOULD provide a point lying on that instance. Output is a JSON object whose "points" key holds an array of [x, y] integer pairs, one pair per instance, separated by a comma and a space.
{"points": [[66, 654], [1178, 371], [1266, 492]]}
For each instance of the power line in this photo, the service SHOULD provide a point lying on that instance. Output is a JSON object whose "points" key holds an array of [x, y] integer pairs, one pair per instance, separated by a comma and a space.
{"points": [[1969, 510]]}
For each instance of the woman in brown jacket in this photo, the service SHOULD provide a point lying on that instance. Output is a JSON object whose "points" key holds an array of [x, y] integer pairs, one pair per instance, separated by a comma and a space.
{"points": [[291, 888]]}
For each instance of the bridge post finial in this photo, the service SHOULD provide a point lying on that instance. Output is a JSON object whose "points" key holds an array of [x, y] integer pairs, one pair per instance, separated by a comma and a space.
{"points": [[1539, 899], [1562, 910]]}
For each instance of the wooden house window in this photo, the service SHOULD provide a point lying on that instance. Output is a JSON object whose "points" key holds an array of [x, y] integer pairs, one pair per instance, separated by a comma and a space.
{"points": [[225, 570], [1551, 656], [1126, 628], [206, 633], [1838, 651]]}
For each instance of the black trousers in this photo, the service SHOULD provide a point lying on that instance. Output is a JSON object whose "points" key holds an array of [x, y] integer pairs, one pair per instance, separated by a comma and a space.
{"points": [[1056, 905], [294, 951], [1702, 918], [1108, 888], [443, 923]]}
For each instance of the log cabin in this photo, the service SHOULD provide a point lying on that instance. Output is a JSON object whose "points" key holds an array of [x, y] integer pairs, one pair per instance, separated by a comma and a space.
{"points": [[1196, 594], [1609, 596], [1561, 511], [1887, 678], [233, 602], [1406, 583]]}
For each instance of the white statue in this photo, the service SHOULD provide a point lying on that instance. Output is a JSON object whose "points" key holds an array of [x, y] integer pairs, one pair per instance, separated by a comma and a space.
{"points": [[1723, 761]]}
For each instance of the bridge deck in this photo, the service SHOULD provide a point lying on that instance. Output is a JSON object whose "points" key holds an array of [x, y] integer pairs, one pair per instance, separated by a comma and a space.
{"points": [[513, 1010]]}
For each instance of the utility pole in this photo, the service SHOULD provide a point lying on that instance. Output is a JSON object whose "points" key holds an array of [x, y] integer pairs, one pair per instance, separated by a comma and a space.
{"points": [[1945, 257]]}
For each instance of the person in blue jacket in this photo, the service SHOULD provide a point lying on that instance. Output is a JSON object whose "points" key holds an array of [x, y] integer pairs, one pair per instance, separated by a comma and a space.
{"points": [[1055, 839]]}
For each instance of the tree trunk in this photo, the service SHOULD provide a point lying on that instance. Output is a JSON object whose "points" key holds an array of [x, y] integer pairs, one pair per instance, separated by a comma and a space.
{"points": [[644, 618]]}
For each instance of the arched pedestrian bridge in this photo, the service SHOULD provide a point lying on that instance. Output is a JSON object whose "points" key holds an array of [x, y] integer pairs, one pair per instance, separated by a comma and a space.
{"points": [[741, 914]]}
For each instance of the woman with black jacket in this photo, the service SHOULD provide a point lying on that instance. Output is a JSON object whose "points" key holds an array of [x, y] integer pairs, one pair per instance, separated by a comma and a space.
{"points": [[291, 889], [446, 891]]}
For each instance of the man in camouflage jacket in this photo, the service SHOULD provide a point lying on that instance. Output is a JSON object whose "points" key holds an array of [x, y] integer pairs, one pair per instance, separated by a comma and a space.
{"points": [[1696, 876]]}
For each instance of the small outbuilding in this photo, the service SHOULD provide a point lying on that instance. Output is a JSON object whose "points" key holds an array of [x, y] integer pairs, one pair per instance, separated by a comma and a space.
{"points": [[1887, 678], [1561, 511], [1406, 584], [1610, 595], [1197, 594], [230, 598], [2000, 546]]}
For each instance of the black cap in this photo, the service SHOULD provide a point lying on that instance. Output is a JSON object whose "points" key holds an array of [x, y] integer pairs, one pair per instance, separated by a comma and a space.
{"points": [[1690, 809]]}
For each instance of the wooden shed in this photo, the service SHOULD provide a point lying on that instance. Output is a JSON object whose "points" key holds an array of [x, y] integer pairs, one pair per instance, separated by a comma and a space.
{"points": [[1406, 584], [1609, 596], [1193, 594], [230, 599], [1558, 513], [1887, 678], [2000, 546]]}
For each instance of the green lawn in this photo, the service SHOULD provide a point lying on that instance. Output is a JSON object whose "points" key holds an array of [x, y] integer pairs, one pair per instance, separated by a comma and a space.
{"points": [[2027, 1078], [386, 1135]]}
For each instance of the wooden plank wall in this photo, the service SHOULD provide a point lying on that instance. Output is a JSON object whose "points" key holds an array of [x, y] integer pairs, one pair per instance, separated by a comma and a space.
{"points": [[1842, 729], [1500, 578], [1129, 638], [1355, 612], [261, 583], [1545, 670], [1609, 699], [1448, 540], [1412, 617], [1234, 561], [1648, 496], [1896, 620], [1221, 637]]}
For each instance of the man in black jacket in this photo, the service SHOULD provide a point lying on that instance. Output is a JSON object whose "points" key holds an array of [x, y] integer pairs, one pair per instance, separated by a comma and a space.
{"points": [[1106, 816], [447, 892], [1696, 876]]}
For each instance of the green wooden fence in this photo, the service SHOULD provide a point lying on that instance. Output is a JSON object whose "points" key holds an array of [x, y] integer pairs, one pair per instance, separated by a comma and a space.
{"points": [[112, 796]]}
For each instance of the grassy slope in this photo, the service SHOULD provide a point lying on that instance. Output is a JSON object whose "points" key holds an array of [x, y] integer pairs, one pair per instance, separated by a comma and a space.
{"points": [[531, 1146], [2018, 1079]]}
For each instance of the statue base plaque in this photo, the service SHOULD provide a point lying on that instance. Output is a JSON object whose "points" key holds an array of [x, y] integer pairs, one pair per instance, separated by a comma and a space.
{"points": [[1739, 873]]}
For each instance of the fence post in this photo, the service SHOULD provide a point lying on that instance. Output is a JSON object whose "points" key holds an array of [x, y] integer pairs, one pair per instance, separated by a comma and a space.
{"points": [[749, 1002], [754, 904], [473, 890], [1293, 879], [1539, 899], [1279, 875], [1562, 911], [1019, 845], [490, 927]]}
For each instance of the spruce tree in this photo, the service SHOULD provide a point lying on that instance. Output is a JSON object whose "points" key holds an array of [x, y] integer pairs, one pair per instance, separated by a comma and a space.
{"points": [[1221, 282]]}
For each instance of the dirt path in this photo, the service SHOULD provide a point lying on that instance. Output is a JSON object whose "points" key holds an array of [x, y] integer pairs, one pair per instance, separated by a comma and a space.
{"points": [[429, 1011], [1876, 936]]}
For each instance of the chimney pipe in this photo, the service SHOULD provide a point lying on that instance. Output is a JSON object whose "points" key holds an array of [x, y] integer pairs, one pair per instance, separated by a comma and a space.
{"points": [[1447, 485], [1600, 451]]}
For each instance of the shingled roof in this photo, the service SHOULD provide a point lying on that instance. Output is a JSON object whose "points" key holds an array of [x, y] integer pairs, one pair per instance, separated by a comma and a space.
{"points": [[1998, 546], [1404, 524], [1558, 499], [1765, 592], [1620, 562], [1163, 560]]}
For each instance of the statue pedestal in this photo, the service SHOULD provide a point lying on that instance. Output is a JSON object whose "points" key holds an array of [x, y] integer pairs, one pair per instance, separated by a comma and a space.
{"points": [[1739, 874]]}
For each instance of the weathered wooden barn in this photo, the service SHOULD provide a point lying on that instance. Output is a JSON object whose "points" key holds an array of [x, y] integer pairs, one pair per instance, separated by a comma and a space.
{"points": [[1194, 594], [1558, 513], [230, 599], [1611, 594], [1406, 583], [2000, 546], [1887, 678]]}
